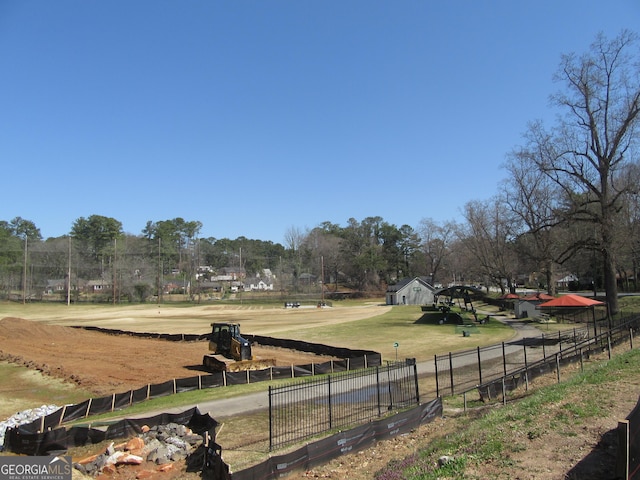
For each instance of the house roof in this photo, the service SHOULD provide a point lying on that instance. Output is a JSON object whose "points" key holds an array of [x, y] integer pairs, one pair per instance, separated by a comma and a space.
{"points": [[510, 296], [537, 297], [406, 281]]}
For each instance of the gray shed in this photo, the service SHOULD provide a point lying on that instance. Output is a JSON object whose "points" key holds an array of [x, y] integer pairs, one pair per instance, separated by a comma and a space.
{"points": [[410, 291]]}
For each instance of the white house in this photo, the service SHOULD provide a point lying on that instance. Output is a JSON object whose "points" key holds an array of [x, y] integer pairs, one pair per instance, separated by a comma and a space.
{"points": [[257, 283]]}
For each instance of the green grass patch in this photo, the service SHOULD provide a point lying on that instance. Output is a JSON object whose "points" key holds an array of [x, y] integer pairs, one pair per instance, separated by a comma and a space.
{"points": [[489, 438], [22, 388], [417, 333]]}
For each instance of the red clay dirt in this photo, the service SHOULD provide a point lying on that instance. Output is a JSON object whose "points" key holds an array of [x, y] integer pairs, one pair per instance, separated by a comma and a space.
{"points": [[104, 364]]}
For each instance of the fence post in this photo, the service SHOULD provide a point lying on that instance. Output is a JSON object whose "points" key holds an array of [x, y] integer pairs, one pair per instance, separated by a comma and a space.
{"points": [[504, 392], [378, 390], [435, 361], [504, 360], [544, 349], [559, 341], [64, 411], [329, 402], [581, 361], [575, 339], [609, 344], [270, 420], [479, 367], [558, 366], [622, 463], [631, 337], [113, 403], [415, 380], [451, 371], [390, 391]]}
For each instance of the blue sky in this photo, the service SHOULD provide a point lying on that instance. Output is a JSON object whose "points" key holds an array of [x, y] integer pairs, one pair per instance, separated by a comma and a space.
{"points": [[255, 117]]}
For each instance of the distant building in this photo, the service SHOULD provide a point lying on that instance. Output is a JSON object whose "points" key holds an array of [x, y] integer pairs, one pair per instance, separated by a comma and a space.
{"points": [[55, 286], [257, 283], [410, 291], [98, 286]]}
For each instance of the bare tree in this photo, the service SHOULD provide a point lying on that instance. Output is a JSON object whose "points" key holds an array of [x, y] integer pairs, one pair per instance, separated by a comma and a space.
{"points": [[594, 139], [533, 201], [490, 240], [435, 244]]}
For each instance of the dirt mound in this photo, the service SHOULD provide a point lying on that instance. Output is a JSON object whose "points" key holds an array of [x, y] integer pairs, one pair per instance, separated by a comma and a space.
{"points": [[104, 364]]}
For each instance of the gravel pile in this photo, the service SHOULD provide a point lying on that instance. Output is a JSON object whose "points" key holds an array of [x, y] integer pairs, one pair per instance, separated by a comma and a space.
{"points": [[24, 417], [160, 445]]}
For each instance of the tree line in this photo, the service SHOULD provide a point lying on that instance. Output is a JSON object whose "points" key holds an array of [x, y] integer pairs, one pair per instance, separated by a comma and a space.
{"points": [[568, 208]]}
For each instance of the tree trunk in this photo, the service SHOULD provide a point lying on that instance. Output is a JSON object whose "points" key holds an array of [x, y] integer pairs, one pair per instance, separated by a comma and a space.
{"points": [[610, 283]]}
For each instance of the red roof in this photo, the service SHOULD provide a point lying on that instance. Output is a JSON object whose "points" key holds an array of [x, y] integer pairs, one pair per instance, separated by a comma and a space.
{"points": [[510, 296], [570, 300], [538, 297]]}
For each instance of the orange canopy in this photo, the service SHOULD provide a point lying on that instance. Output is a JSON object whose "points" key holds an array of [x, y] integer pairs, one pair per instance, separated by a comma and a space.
{"points": [[570, 300]]}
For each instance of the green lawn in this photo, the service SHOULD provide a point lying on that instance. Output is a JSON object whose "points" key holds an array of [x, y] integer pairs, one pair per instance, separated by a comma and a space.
{"points": [[417, 334]]}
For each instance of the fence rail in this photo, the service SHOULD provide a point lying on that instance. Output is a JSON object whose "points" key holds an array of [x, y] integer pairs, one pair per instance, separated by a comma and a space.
{"points": [[499, 368], [304, 409]]}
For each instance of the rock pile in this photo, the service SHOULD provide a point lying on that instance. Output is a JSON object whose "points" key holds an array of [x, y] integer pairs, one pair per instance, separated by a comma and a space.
{"points": [[161, 445], [24, 417]]}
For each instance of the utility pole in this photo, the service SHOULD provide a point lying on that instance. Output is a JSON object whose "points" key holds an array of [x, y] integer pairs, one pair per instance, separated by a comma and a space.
{"points": [[322, 279], [69, 275], [24, 272], [159, 272], [115, 258]]}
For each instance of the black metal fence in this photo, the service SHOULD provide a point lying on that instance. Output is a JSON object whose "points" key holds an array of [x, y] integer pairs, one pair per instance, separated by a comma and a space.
{"points": [[304, 409], [501, 367]]}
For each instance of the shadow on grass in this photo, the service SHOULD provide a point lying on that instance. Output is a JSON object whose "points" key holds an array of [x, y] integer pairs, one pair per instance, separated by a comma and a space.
{"points": [[439, 318]]}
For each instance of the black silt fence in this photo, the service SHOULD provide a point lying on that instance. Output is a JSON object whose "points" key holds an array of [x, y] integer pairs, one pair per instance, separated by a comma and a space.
{"points": [[24, 441], [350, 441], [119, 401], [311, 407]]}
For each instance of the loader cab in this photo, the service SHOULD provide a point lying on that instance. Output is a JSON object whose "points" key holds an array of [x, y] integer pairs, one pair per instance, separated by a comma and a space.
{"points": [[226, 340]]}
